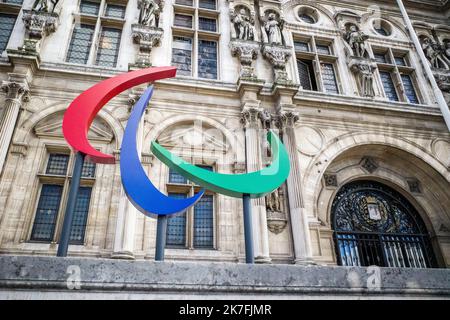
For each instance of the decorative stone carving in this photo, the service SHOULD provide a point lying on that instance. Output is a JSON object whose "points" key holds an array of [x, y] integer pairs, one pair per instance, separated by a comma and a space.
{"points": [[436, 53], [278, 57], [266, 119], [414, 185], [147, 38], [369, 164], [443, 81], [149, 11], [276, 221], [356, 40], [364, 70], [272, 25], [250, 117], [330, 180], [44, 5], [287, 119], [243, 21], [246, 51], [38, 25], [15, 90], [273, 202]]}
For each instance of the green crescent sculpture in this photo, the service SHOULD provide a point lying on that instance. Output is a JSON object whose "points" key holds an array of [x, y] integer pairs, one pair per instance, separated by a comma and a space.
{"points": [[256, 184]]}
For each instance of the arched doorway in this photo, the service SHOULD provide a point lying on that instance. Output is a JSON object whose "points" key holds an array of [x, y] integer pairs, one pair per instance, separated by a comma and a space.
{"points": [[375, 225]]}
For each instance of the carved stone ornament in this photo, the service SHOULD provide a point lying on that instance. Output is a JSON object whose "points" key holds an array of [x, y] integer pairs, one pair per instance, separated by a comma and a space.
{"points": [[246, 51], [364, 69], [243, 23], [287, 119], [147, 38], [250, 117], [276, 218], [278, 56], [438, 54], [443, 81], [16, 90], [38, 25], [149, 12]]}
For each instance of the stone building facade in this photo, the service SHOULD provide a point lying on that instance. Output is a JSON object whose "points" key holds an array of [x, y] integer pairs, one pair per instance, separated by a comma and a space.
{"points": [[339, 80]]}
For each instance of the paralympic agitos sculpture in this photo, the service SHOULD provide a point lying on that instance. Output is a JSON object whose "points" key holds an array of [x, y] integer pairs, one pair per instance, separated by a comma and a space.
{"points": [[138, 187]]}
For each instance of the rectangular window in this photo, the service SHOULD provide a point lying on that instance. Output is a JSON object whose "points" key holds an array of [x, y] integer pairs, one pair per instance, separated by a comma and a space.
{"points": [[306, 74], [46, 213], [182, 55], [176, 226], [57, 164], [182, 20], [203, 223], [108, 48], [207, 4], [115, 11], [400, 61], [88, 170], [207, 59], [89, 7], [388, 85], [329, 78], [175, 177], [80, 45], [301, 46], [409, 89], [7, 22], [207, 24], [185, 2], [323, 49], [380, 57], [80, 215]]}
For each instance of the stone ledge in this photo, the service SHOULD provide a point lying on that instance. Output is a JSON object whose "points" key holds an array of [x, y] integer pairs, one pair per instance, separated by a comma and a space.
{"points": [[39, 277]]}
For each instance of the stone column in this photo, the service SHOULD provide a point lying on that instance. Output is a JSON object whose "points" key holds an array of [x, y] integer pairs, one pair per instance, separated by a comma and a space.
{"points": [[299, 220], [127, 216], [251, 122], [16, 92]]}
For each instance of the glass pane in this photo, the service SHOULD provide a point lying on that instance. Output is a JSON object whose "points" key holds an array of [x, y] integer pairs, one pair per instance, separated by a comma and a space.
{"points": [[108, 48], [207, 24], [88, 170], [329, 78], [89, 7], [301, 46], [388, 85], [323, 49], [307, 18], [185, 2], [80, 215], [175, 177], [380, 57], [115, 11], [80, 45], [207, 59], [304, 73], [382, 31], [46, 213], [207, 4], [400, 61], [176, 226], [204, 222], [182, 55], [13, 1], [7, 22], [409, 89], [57, 164], [182, 20]]}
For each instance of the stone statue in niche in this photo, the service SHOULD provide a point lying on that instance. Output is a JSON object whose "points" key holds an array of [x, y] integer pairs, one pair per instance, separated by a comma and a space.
{"points": [[148, 13], [273, 202], [273, 29], [44, 5], [434, 54], [244, 25], [357, 41], [365, 70]]}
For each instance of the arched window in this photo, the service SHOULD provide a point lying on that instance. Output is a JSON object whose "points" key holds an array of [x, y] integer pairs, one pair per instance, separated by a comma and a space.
{"points": [[376, 225]]}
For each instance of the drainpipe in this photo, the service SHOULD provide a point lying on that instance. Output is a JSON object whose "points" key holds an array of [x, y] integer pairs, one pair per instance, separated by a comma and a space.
{"points": [[437, 92]]}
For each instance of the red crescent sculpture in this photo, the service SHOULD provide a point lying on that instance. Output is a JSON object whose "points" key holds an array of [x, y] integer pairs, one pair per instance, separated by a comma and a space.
{"points": [[83, 109]]}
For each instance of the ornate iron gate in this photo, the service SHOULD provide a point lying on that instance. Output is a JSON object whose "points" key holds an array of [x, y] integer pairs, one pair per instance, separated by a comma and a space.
{"points": [[375, 225]]}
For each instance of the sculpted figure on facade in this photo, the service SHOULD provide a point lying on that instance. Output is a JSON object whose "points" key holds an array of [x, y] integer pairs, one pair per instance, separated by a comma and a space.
{"points": [[357, 41], [273, 202], [435, 54], [244, 25], [273, 27], [365, 71], [148, 13]]}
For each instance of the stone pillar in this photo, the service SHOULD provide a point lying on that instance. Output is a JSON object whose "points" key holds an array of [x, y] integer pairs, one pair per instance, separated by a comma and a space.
{"points": [[16, 91], [299, 220], [127, 215], [251, 122]]}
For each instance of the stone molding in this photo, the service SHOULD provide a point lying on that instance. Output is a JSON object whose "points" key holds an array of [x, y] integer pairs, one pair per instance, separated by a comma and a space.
{"points": [[146, 38]]}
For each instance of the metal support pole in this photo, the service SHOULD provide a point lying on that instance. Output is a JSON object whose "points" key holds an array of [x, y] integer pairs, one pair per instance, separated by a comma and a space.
{"points": [[70, 207], [161, 229], [248, 232], [437, 92]]}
